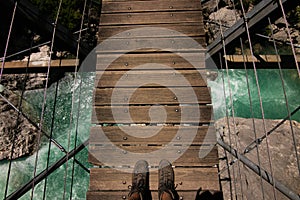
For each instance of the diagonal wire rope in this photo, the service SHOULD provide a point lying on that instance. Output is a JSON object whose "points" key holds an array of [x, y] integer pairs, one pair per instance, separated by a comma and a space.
{"points": [[252, 116], [79, 101], [14, 132], [227, 115], [51, 133], [227, 121], [73, 103], [286, 101], [259, 95], [253, 123], [232, 107], [8, 39], [45, 95], [290, 37]]}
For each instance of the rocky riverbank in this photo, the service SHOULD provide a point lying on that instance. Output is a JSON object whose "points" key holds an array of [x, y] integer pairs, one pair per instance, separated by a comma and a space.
{"points": [[282, 153], [14, 127], [222, 14]]}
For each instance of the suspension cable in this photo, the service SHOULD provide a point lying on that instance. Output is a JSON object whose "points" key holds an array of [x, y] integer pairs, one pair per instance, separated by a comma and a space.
{"points": [[53, 141], [290, 37], [79, 102], [259, 94], [232, 107], [13, 132], [228, 125], [252, 116], [51, 132], [45, 94], [286, 102], [8, 39]]}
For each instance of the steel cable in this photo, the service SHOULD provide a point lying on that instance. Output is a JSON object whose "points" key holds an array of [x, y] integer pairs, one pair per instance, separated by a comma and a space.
{"points": [[45, 95], [259, 94]]}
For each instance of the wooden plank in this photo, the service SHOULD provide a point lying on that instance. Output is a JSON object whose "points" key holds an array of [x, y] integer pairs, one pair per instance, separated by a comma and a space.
{"points": [[148, 96], [140, 114], [106, 179], [132, 61], [118, 195], [270, 58], [150, 18], [147, 44], [188, 29], [184, 156], [241, 58], [146, 6], [149, 78], [145, 135], [41, 64]]}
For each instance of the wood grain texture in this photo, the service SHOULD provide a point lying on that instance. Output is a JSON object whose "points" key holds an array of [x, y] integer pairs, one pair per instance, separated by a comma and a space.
{"points": [[148, 135], [151, 96], [126, 155], [134, 61], [152, 114], [150, 18], [149, 78], [151, 44], [119, 195], [192, 29], [146, 6], [41, 64], [105, 179]]}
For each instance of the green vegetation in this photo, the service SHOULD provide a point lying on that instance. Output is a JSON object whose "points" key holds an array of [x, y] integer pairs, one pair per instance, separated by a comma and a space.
{"points": [[294, 17], [70, 14]]}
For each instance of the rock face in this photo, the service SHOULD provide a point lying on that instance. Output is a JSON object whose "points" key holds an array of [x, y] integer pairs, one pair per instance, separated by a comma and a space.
{"points": [[282, 154], [14, 128]]}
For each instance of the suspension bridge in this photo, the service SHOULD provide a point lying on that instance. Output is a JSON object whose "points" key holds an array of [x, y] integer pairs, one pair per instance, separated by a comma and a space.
{"points": [[151, 100]]}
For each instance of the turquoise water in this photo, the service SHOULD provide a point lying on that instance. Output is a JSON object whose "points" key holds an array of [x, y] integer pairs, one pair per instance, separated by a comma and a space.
{"points": [[272, 95], [22, 169]]}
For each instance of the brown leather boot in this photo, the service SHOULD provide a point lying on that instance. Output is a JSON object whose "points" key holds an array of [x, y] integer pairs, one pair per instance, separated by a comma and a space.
{"points": [[166, 188], [140, 182]]}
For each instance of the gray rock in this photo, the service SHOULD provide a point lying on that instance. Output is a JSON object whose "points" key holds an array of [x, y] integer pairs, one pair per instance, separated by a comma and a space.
{"points": [[225, 16], [282, 153]]}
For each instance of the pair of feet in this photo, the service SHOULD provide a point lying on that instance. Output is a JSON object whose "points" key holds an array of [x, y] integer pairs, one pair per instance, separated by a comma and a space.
{"points": [[140, 182]]}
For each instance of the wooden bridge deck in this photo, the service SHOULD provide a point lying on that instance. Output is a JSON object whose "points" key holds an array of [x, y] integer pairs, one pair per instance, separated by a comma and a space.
{"points": [[144, 92]]}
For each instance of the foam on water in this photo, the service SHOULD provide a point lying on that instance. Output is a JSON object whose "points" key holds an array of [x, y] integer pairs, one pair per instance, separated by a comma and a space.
{"points": [[22, 169]]}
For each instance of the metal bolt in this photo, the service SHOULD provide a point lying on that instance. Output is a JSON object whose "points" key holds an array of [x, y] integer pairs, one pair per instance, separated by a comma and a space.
{"points": [[129, 8], [125, 138], [180, 198], [178, 137], [128, 16], [124, 152], [125, 99], [123, 197], [128, 33], [173, 41], [175, 98], [174, 63], [177, 110], [171, 7], [126, 64], [127, 43], [171, 15], [179, 151], [180, 183], [126, 111], [124, 182]]}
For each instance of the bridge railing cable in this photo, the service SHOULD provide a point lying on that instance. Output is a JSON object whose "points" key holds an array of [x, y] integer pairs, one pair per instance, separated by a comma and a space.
{"points": [[45, 96]]}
